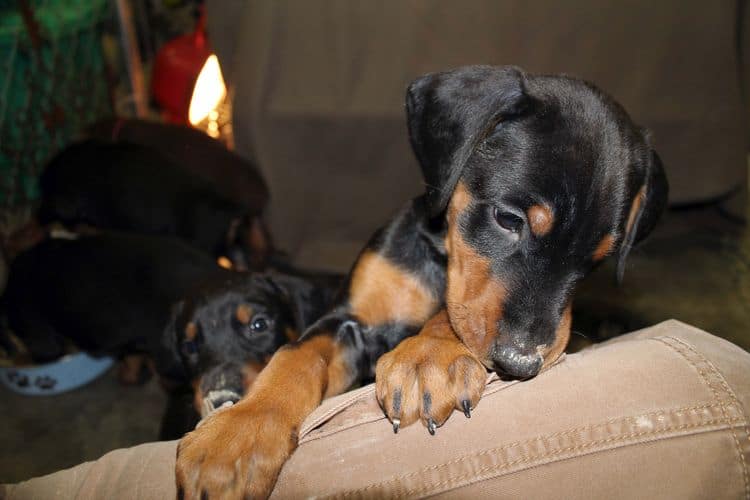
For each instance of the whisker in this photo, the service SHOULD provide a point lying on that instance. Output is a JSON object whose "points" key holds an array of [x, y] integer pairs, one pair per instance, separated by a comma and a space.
{"points": [[581, 334]]}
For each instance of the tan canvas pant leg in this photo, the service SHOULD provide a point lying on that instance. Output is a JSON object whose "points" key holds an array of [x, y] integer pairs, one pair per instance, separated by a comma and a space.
{"points": [[660, 413]]}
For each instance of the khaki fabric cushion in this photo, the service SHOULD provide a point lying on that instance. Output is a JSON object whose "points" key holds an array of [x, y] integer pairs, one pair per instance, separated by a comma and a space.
{"points": [[659, 413]]}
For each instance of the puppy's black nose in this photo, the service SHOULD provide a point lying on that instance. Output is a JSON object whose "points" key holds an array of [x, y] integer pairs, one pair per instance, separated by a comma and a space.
{"points": [[513, 361]]}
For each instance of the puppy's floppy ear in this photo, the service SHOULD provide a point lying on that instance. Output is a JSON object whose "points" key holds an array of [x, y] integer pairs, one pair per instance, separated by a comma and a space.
{"points": [[448, 114], [167, 357], [308, 302], [647, 206]]}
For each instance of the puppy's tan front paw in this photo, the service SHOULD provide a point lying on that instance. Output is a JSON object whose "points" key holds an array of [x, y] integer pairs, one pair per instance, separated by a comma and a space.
{"points": [[426, 378], [236, 453]]}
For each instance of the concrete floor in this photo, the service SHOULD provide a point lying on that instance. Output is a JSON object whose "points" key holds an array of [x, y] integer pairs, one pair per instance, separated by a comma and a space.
{"points": [[695, 267]]}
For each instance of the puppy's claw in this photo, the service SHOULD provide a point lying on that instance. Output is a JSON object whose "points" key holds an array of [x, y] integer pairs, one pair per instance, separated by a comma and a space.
{"points": [[396, 424], [431, 426], [466, 407]]}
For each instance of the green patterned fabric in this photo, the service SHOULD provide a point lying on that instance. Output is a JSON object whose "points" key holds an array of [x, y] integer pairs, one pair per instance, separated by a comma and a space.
{"points": [[52, 84]]}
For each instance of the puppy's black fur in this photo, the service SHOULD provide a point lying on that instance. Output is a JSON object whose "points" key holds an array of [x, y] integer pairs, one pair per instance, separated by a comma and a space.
{"points": [[107, 293], [130, 187], [235, 177]]}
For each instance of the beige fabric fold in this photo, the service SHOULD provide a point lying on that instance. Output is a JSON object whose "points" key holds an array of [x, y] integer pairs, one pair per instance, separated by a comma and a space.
{"points": [[659, 413]]}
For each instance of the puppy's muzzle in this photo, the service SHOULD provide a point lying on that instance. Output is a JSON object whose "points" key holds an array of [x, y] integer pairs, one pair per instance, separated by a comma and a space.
{"points": [[216, 399], [220, 385], [514, 361]]}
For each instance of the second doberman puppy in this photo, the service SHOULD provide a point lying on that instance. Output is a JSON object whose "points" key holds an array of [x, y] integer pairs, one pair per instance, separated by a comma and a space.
{"points": [[531, 181], [220, 336]]}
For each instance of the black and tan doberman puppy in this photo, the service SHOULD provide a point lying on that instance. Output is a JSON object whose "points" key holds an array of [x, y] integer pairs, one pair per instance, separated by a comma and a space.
{"points": [[221, 336], [531, 181], [112, 293]]}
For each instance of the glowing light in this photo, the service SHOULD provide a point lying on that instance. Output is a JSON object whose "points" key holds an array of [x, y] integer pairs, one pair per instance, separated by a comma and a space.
{"points": [[208, 92], [224, 262]]}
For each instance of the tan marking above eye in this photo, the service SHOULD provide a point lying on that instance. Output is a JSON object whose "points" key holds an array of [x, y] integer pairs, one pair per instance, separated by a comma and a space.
{"points": [[191, 331], [382, 293], [244, 313], [459, 201], [541, 219], [603, 248]]}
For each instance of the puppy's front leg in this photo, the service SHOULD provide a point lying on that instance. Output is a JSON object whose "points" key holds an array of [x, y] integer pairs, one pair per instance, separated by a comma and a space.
{"points": [[239, 451]]}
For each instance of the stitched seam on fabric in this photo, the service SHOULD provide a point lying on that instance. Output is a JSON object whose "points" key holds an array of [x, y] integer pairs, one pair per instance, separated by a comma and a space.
{"points": [[498, 468], [577, 430], [321, 420], [554, 435], [516, 444], [431, 488], [331, 432], [727, 391], [334, 411], [493, 385]]}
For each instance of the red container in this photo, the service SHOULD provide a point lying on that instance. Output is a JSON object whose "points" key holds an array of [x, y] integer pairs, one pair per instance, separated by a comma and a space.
{"points": [[175, 71]]}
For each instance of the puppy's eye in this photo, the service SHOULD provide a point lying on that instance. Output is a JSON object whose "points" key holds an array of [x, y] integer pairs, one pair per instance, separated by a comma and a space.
{"points": [[259, 323], [508, 221]]}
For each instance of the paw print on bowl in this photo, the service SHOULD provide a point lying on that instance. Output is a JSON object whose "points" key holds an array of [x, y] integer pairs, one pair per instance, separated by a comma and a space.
{"points": [[18, 379], [45, 382]]}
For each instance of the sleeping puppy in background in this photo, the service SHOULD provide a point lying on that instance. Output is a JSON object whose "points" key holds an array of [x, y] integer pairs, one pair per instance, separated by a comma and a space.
{"points": [[220, 337], [131, 187], [108, 293]]}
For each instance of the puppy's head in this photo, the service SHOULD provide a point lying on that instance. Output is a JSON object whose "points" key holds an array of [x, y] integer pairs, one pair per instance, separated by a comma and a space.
{"points": [[540, 178], [221, 337]]}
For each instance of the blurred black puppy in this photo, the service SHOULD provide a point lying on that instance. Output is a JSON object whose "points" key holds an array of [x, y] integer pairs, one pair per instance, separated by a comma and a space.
{"points": [[234, 176], [220, 337], [136, 188], [107, 293]]}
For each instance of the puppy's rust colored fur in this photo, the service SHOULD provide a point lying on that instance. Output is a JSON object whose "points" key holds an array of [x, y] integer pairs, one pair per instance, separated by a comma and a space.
{"points": [[372, 299], [471, 285], [604, 248], [541, 219]]}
